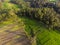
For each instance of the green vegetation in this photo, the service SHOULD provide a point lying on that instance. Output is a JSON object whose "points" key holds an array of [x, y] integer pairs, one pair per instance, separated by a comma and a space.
{"points": [[43, 35], [41, 25]]}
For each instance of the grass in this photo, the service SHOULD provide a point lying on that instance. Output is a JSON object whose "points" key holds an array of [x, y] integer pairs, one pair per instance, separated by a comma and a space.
{"points": [[4, 23], [10, 6], [44, 36]]}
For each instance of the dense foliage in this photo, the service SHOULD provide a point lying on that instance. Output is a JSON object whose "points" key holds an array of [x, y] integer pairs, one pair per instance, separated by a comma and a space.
{"points": [[45, 14]]}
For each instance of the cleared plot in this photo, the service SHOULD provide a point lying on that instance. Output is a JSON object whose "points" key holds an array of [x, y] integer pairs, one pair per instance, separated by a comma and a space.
{"points": [[13, 35]]}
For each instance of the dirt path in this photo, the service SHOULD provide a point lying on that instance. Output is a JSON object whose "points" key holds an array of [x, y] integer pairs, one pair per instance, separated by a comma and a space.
{"points": [[8, 37]]}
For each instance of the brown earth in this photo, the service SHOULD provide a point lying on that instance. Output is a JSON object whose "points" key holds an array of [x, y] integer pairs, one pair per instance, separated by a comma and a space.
{"points": [[9, 37]]}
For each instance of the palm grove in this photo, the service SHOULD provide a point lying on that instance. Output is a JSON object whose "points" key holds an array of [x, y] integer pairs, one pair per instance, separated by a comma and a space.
{"points": [[45, 15]]}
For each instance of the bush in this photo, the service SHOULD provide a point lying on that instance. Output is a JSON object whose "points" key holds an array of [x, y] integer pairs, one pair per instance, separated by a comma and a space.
{"points": [[46, 15]]}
